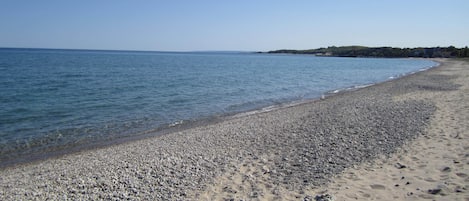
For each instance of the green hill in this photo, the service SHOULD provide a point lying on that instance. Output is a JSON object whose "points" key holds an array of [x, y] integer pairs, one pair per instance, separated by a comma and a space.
{"points": [[391, 52]]}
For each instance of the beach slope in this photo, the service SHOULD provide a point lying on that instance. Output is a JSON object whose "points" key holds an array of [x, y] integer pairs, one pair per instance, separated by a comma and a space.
{"points": [[345, 145], [435, 166]]}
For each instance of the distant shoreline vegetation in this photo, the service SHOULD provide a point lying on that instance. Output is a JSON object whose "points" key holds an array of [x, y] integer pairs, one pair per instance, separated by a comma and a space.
{"points": [[388, 52]]}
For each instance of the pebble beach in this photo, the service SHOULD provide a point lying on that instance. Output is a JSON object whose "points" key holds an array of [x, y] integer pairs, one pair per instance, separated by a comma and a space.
{"points": [[356, 144]]}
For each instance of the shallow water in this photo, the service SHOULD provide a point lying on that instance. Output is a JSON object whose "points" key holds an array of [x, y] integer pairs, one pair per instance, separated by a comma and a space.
{"points": [[59, 99]]}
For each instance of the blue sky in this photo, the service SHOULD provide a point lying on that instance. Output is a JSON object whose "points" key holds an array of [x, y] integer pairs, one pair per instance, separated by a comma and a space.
{"points": [[250, 25]]}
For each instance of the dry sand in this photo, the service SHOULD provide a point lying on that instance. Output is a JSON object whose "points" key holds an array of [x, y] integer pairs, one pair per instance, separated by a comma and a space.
{"points": [[399, 140]]}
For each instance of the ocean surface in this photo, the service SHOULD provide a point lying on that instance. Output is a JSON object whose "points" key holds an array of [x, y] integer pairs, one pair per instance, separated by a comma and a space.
{"points": [[52, 101]]}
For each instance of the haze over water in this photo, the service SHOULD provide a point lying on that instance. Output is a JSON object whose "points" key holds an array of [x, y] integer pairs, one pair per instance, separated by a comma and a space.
{"points": [[54, 100]]}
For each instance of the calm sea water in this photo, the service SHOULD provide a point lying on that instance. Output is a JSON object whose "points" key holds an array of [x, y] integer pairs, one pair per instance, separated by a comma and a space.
{"points": [[52, 100]]}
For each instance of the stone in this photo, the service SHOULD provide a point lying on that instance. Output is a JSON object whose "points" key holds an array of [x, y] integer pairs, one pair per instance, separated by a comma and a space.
{"points": [[377, 187], [434, 191], [446, 169], [399, 166], [254, 194], [323, 197]]}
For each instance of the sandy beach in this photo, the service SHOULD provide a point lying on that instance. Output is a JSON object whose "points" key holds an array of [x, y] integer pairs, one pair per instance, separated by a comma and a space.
{"points": [[432, 167], [403, 139]]}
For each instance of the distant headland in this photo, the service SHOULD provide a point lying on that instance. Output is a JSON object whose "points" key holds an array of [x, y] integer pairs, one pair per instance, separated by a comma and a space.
{"points": [[390, 52]]}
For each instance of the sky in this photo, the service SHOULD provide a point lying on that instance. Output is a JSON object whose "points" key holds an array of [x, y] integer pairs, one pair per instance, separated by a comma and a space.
{"points": [[241, 25]]}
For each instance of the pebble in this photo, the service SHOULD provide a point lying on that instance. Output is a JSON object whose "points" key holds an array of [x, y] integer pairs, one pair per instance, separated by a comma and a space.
{"points": [[434, 191], [446, 169], [399, 166], [323, 197]]}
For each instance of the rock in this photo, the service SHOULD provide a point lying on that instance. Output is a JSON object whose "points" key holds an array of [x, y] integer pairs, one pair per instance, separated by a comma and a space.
{"points": [[459, 190], [446, 169], [265, 169], [440, 189], [399, 166], [254, 194], [324, 197], [228, 189], [377, 187], [434, 191], [308, 198]]}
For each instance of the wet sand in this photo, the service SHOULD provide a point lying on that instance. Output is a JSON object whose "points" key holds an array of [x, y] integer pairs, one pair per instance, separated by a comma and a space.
{"points": [[346, 145]]}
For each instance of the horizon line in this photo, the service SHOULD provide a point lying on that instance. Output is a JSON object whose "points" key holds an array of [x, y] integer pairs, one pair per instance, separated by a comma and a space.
{"points": [[208, 51], [125, 50]]}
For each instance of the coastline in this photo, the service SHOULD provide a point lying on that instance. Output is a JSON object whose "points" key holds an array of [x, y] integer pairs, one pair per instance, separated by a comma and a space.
{"points": [[267, 154], [43, 153]]}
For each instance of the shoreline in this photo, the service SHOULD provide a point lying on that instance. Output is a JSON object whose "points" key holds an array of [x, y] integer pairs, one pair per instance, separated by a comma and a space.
{"points": [[281, 154], [56, 152]]}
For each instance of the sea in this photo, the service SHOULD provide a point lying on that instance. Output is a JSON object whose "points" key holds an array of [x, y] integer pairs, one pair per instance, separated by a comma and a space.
{"points": [[54, 101]]}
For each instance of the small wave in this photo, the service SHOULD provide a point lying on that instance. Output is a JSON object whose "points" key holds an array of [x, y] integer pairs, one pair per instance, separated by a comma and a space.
{"points": [[247, 106], [176, 123], [363, 86], [269, 108], [243, 109], [356, 87]]}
